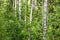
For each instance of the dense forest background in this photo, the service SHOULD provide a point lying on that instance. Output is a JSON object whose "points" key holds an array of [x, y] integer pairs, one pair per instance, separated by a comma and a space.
{"points": [[13, 28]]}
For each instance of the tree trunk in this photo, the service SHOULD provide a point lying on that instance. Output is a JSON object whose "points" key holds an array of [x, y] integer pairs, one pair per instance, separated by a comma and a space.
{"points": [[44, 14], [33, 5], [15, 6], [29, 2], [19, 6]]}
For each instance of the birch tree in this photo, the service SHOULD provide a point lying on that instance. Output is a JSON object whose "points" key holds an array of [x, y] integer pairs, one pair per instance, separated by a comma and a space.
{"points": [[34, 2], [25, 11], [19, 7], [33, 5], [29, 2], [15, 2], [44, 14]]}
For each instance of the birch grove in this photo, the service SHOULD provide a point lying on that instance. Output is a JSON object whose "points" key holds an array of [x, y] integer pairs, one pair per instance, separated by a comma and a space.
{"points": [[33, 5], [29, 20]]}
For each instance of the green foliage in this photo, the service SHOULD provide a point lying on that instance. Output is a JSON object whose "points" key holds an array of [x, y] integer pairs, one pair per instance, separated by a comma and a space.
{"points": [[11, 28]]}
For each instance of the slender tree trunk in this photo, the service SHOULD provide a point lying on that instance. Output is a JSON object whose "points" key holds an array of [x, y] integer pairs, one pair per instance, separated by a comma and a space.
{"points": [[30, 8], [19, 6], [29, 2], [25, 12], [34, 2], [25, 18], [44, 14], [33, 5], [15, 6]]}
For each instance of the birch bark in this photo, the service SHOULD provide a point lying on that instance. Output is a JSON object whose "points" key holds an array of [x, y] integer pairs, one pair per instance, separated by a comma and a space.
{"points": [[44, 14], [19, 6], [31, 12], [15, 6], [29, 2]]}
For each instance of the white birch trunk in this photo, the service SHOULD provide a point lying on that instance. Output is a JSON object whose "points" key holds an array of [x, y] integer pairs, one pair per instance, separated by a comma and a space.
{"points": [[15, 7], [25, 15], [19, 4], [30, 8], [34, 2], [13, 4], [44, 14]]}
